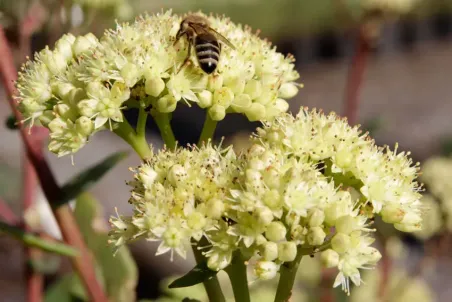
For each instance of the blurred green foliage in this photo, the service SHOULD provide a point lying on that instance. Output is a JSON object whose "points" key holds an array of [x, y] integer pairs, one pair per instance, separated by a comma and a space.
{"points": [[118, 274]]}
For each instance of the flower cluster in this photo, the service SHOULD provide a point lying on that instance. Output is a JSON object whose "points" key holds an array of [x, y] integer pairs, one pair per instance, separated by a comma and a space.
{"points": [[386, 179], [178, 196], [84, 84], [437, 176], [288, 195]]}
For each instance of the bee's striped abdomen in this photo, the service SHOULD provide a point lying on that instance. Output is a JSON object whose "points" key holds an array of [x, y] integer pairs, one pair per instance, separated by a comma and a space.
{"points": [[208, 52]]}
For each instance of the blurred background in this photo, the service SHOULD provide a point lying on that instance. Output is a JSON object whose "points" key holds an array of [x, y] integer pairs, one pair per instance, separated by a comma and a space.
{"points": [[404, 96]]}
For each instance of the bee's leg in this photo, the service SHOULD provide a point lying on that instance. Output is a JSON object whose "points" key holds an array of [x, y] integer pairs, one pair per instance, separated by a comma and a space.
{"points": [[187, 59], [179, 35]]}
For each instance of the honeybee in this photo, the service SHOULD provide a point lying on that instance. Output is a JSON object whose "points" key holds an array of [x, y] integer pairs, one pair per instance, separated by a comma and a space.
{"points": [[204, 39]]}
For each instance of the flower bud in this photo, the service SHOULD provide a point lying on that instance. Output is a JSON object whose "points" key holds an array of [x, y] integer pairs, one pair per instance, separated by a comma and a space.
{"points": [[217, 112], [392, 214], [215, 82], [46, 117], [131, 74], [292, 219], [346, 224], [87, 107], [223, 97], [272, 198], [270, 251], [205, 98], [264, 215], [253, 88], [329, 258], [241, 103], [54, 61], [343, 158], [373, 255], [215, 208], [166, 104], [177, 174], [154, 86], [271, 177], [316, 217], [287, 251], [287, 90], [81, 45], [92, 38], [64, 47], [266, 270], [316, 236], [237, 85], [217, 262], [196, 221], [341, 243], [62, 89], [65, 111], [281, 105], [147, 176], [276, 231], [84, 125], [256, 112]]}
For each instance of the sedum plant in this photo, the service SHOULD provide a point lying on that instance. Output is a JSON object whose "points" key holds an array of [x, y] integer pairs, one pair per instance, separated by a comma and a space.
{"points": [[286, 196]]}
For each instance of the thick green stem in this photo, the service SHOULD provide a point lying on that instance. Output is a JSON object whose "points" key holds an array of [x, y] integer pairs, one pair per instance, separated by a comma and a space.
{"points": [[237, 274], [208, 129], [35, 241], [212, 285], [138, 142], [163, 122], [141, 124], [288, 271]]}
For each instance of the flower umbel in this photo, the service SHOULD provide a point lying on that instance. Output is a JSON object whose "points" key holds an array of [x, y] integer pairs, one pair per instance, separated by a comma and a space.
{"points": [[137, 65], [289, 193]]}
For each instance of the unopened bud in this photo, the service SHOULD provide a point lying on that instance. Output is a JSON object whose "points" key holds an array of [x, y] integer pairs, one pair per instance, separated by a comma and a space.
{"points": [[287, 90], [270, 251], [256, 112], [266, 270], [217, 112], [316, 236], [223, 97], [205, 98], [329, 258], [84, 125], [287, 251], [276, 231], [154, 86], [241, 103], [131, 74], [166, 104], [253, 88], [316, 217], [341, 243]]}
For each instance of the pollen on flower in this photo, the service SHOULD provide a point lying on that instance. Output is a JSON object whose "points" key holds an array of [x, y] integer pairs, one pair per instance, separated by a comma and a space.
{"points": [[99, 78]]}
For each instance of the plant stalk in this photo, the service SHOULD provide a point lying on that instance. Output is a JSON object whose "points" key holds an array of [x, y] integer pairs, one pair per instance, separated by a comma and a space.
{"points": [[211, 285], [137, 141], [208, 130], [288, 271], [163, 122], [237, 274], [83, 264], [35, 241], [355, 77]]}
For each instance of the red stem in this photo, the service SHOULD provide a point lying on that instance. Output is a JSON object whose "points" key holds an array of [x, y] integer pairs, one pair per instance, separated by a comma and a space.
{"points": [[83, 264], [355, 78], [35, 280]]}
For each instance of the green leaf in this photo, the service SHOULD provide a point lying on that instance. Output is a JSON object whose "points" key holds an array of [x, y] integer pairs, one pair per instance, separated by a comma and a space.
{"points": [[11, 123], [59, 291], [119, 273], [35, 241], [198, 274], [85, 179]]}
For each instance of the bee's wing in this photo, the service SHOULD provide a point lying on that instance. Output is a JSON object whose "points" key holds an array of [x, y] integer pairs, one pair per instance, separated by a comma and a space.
{"points": [[221, 38]]}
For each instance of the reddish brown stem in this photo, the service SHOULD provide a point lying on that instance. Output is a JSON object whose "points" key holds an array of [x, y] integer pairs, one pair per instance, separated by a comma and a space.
{"points": [[35, 280], [7, 214], [355, 78], [385, 269], [83, 264]]}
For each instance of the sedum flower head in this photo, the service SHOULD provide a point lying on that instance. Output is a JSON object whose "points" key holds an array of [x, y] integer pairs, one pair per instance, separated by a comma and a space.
{"points": [[287, 195], [139, 64], [437, 176], [386, 179]]}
